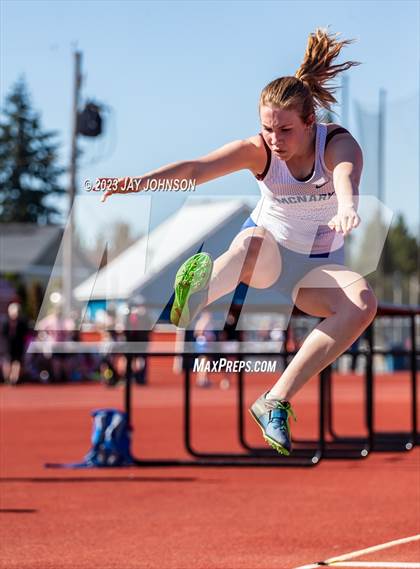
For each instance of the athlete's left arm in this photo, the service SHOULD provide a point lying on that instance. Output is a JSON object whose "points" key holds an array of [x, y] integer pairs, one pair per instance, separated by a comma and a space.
{"points": [[345, 159]]}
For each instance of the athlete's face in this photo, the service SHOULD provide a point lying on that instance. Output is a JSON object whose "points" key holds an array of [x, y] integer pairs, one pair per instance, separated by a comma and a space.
{"points": [[284, 131]]}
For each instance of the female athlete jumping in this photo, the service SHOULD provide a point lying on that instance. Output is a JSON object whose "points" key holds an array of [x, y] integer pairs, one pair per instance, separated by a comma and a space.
{"points": [[308, 173]]}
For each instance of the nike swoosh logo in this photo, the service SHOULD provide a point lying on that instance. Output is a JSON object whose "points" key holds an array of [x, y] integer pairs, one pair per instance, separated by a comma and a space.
{"points": [[320, 185]]}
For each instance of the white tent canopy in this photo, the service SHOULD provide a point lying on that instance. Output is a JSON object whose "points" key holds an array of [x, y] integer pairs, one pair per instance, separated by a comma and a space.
{"points": [[149, 265]]}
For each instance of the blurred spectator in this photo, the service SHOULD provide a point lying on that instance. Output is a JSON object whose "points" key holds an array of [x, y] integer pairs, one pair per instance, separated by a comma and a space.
{"points": [[183, 361], [138, 329], [354, 351], [113, 365], [230, 338], [14, 331], [56, 328], [203, 335]]}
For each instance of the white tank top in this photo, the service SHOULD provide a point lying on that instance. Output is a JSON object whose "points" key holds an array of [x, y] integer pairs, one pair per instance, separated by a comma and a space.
{"points": [[297, 212]]}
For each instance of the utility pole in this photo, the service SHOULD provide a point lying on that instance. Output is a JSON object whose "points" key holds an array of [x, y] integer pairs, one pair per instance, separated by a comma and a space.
{"points": [[68, 241], [381, 145], [417, 300], [345, 101], [381, 182]]}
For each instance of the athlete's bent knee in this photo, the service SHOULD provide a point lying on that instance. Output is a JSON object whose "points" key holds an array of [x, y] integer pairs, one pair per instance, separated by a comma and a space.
{"points": [[361, 312], [370, 305]]}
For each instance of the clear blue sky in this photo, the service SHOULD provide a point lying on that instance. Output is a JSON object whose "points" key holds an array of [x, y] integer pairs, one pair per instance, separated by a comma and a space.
{"points": [[183, 78]]}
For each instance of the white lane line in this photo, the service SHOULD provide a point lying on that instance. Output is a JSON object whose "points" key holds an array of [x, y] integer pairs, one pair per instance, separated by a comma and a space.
{"points": [[374, 548], [335, 561], [313, 566], [364, 564]]}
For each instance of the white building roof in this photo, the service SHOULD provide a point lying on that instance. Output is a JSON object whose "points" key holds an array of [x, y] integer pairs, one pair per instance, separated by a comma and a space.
{"points": [[22, 245]]}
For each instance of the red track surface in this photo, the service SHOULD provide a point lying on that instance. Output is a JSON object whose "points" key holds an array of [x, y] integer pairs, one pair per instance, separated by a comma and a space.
{"points": [[189, 517]]}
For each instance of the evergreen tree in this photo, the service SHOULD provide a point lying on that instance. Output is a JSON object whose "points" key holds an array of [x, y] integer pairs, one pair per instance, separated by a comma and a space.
{"points": [[28, 163], [401, 249], [398, 261]]}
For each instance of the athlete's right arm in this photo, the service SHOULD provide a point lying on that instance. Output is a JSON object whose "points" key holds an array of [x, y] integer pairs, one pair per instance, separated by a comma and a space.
{"points": [[238, 155]]}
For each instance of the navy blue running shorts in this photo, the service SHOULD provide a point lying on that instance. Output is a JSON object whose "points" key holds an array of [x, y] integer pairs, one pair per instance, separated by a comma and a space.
{"points": [[296, 265]]}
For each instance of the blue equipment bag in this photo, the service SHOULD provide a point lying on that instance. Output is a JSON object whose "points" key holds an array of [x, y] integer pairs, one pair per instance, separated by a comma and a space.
{"points": [[111, 439]]}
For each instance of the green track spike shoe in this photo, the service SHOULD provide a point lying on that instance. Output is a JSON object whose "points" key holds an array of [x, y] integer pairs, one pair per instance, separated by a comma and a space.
{"points": [[272, 416], [191, 288]]}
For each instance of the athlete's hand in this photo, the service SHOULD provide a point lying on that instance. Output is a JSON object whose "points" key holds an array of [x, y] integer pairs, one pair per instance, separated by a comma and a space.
{"points": [[114, 186], [345, 220]]}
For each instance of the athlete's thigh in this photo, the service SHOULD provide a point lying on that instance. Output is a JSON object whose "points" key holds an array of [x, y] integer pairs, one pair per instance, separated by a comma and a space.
{"points": [[326, 290], [262, 258]]}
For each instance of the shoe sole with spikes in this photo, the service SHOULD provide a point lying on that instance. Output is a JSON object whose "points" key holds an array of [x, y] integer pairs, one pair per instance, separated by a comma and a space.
{"points": [[191, 279]]}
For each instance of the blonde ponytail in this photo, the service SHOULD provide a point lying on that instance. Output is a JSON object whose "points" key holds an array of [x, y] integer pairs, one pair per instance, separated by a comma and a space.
{"points": [[310, 88], [317, 69]]}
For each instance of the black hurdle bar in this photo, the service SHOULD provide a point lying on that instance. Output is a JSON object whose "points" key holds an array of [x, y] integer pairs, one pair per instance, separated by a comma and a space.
{"points": [[215, 459], [384, 441]]}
